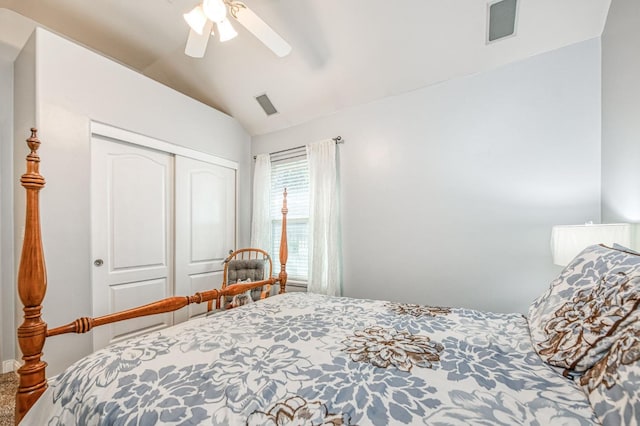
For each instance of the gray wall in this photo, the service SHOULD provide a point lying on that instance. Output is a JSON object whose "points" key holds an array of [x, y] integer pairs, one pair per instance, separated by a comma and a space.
{"points": [[449, 192], [621, 113], [7, 285], [72, 87]]}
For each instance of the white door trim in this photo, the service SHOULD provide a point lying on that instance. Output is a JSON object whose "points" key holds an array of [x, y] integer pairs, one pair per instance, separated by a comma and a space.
{"points": [[122, 135]]}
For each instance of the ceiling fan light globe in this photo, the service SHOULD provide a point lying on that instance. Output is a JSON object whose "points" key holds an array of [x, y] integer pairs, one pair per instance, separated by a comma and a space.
{"points": [[215, 10], [196, 19], [226, 30]]}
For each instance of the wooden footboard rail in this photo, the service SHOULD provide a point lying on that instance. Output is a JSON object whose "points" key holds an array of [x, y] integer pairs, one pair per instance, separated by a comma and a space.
{"points": [[32, 285], [170, 304]]}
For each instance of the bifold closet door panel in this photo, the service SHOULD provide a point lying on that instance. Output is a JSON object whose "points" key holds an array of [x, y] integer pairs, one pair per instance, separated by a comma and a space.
{"points": [[205, 226], [132, 238]]}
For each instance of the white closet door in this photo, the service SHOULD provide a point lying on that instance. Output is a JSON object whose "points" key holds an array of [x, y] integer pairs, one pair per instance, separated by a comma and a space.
{"points": [[205, 227], [131, 213]]}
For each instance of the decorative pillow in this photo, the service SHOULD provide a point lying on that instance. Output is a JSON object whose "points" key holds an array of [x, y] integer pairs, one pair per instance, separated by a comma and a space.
{"points": [[613, 383], [575, 322], [243, 298]]}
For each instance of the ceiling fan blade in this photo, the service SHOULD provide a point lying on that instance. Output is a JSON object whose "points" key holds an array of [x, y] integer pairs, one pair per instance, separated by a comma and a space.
{"points": [[261, 30], [197, 43]]}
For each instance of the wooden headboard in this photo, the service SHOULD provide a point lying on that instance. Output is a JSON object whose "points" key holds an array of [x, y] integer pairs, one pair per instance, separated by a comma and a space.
{"points": [[32, 286]]}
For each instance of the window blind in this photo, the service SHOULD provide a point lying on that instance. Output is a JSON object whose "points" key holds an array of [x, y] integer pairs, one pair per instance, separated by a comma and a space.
{"points": [[293, 174]]}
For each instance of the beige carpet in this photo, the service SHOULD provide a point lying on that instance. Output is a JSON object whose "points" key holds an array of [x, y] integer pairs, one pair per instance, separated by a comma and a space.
{"points": [[8, 386]]}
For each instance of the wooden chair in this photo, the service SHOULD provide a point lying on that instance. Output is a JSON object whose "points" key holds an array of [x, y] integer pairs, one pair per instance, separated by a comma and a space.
{"points": [[248, 263]]}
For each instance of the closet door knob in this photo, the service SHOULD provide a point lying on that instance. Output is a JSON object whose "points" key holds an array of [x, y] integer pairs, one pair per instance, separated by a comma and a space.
{"points": [[98, 262]]}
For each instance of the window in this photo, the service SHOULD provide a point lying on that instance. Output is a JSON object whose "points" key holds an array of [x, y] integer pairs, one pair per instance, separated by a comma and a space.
{"points": [[291, 173]]}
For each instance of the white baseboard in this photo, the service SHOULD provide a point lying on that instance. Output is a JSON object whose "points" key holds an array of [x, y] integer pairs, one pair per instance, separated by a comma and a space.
{"points": [[10, 365]]}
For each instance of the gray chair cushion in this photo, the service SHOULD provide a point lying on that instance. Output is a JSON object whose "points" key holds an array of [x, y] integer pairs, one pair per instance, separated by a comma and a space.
{"points": [[243, 269]]}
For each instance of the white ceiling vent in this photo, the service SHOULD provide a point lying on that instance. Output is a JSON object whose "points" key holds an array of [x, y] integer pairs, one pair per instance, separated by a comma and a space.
{"points": [[501, 19], [266, 104]]}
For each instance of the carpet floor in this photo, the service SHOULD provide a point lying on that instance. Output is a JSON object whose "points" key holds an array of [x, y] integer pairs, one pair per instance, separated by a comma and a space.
{"points": [[8, 386]]}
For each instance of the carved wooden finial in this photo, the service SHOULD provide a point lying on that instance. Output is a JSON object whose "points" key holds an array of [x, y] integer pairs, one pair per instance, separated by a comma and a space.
{"points": [[32, 178], [33, 141]]}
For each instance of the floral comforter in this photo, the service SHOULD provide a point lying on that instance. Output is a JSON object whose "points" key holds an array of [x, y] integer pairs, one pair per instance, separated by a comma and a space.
{"points": [[304, 358]]}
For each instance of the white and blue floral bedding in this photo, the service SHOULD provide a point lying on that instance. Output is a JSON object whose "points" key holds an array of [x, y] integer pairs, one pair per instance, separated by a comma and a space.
{"points": [[309, 359]]}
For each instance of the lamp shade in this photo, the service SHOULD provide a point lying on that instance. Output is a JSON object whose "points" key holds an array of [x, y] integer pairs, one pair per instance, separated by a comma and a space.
{"points": [[196, 19], [226, 30], [215, 10], [569, 240]]}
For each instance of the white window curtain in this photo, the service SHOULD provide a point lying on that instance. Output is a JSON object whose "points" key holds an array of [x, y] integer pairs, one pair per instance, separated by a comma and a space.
{"points": [[325, 265], [261, 219]]}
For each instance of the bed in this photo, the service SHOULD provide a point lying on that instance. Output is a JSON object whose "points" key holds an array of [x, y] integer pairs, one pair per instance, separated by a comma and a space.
{"points": [[299, 358]]}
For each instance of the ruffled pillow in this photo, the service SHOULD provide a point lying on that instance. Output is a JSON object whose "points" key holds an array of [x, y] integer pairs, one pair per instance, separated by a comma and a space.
{"points": [[241, 299], [575, 322]]}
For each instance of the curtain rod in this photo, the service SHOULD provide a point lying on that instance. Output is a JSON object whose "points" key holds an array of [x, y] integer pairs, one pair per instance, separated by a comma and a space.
{"points": [[337, 140]]}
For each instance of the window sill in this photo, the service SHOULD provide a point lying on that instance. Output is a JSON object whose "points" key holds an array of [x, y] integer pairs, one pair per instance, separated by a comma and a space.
{"points": [[295, 286]]}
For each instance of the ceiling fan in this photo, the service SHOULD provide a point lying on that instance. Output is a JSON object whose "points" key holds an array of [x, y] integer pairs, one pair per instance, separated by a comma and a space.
{"points": [[203, 17]]}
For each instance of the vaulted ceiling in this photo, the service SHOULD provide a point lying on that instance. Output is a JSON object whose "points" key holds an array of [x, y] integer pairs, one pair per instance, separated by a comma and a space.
{"points": [[345, 52]]}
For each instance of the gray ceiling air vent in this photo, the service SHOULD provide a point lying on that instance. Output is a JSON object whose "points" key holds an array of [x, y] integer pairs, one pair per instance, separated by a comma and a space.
{"points": [[266, 104], [501, 19]]}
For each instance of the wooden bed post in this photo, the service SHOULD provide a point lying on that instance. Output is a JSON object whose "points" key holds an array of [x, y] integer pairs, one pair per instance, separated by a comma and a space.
{"points": [[284, 249], [32, 285]]}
